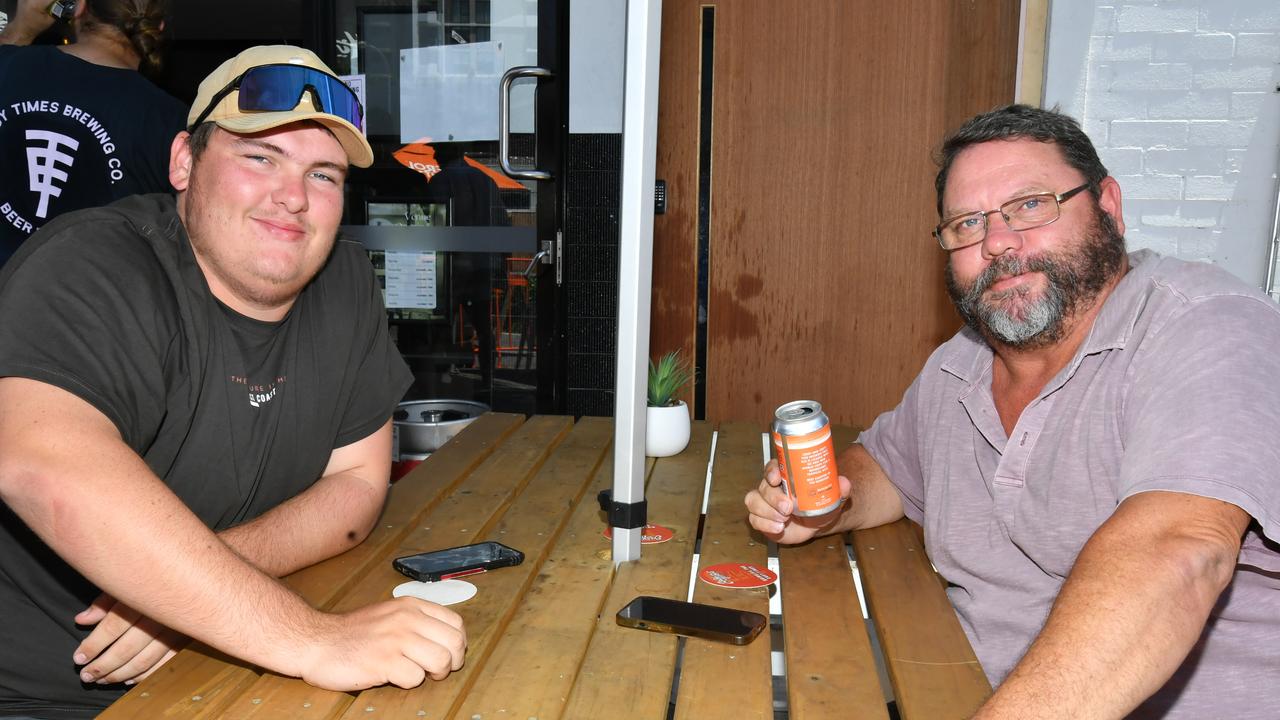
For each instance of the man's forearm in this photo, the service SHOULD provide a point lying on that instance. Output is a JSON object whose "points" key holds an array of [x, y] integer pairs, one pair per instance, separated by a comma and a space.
{"points": [[1133, 607], [328, 518], [872, 499]]}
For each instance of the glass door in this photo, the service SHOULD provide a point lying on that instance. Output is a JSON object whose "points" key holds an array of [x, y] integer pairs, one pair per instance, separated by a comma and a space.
{"points": [[459, 212]]}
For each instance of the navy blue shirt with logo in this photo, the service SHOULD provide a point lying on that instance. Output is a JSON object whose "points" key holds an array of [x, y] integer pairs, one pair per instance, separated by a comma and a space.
{"points": [[76, 135]]}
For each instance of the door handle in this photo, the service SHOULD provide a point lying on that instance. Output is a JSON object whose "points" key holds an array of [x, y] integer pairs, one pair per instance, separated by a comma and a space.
{"points": [[541, 255], [504, 121]]}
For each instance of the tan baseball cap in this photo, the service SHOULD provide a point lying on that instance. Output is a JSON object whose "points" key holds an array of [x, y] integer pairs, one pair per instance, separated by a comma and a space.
{"points": [[228, 115]]}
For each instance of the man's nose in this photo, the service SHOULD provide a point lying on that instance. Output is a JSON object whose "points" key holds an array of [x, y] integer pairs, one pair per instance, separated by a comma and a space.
{"points": [[1000, 237], [291, 194]]}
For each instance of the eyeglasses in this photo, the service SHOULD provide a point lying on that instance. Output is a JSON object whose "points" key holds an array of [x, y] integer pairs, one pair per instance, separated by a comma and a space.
{"points": [[1020, 213], [273, 88]]}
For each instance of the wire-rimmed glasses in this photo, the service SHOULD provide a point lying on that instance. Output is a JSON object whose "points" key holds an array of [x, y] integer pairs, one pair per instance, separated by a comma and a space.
{"points": [[1021, 213]]}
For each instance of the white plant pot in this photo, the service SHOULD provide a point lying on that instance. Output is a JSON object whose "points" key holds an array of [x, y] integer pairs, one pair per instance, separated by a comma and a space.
{"points": [[666, 430]]}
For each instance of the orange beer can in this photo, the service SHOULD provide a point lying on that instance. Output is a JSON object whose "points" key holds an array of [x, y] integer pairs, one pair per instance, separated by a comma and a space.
{"points": [[806, 457]]}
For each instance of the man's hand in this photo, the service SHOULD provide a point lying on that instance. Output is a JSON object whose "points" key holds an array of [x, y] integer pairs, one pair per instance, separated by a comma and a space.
{"points": [[29, 19], [400, 641], [124, 646], [771, 509]]}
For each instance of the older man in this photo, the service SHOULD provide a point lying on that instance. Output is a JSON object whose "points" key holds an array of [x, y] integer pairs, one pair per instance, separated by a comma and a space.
{"points": [[195, 399], [1093, 457]]}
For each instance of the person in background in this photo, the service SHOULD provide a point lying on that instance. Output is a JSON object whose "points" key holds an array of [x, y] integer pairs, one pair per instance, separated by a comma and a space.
{"points": [[195, 399], [1093, 458], [79, 124]]}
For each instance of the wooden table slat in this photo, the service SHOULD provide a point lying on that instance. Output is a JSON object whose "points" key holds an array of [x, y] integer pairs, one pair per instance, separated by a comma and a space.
{"points": [[532, 524], [718, 680], [934, 671], [831, 669], [629, 671], [535, 660]]}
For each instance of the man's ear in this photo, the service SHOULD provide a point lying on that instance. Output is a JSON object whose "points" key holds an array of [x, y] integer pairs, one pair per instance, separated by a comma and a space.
{"points": [[180, 160], [1110, 201], [81, 7]]}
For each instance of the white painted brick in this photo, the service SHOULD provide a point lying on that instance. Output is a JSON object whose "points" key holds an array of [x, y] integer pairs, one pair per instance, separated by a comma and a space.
{"points": [[1137, 237], [1151, 187], [1148, 133], [1127, 75], [1188, 213], [1234, 77], [1220, 133], [1184, 161], [1133, 18], [1104, 20], [1240, 15], [1122, 161], [1210, 187], [1212, 46], [1106, 105], [1247, 105], [1199, 247], [1125, 46], [1205, 105], [1099, 131], [1235, 160], [1258, 46]]}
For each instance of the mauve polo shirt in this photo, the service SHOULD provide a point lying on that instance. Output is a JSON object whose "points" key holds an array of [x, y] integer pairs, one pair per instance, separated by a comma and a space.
{"points": [[1176, 388]]}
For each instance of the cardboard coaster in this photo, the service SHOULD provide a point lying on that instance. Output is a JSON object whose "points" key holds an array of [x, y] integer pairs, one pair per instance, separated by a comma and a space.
{"points": [[652, 534], [737, 575], [445, 592]]}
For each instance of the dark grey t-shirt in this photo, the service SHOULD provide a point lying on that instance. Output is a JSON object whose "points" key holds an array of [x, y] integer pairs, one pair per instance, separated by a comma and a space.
{"points": [[235, 415], [1176, 388]]}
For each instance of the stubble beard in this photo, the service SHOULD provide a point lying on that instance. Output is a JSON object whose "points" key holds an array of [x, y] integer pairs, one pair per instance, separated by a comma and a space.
{"points": [[1073, 279]]}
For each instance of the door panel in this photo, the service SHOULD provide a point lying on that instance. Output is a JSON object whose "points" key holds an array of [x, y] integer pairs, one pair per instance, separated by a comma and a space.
{"points": [[822, 279], [455, 238]]}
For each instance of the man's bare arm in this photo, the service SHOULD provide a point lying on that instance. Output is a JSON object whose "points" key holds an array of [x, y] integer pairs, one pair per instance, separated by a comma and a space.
{"points": [[65, 471], [29, 19], [332, 516], [1134, 605], [327, 518]]}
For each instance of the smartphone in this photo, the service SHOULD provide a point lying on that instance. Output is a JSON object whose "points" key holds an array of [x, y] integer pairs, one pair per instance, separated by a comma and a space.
{"points": [[63, 9], [711, 622], [457, 561]]}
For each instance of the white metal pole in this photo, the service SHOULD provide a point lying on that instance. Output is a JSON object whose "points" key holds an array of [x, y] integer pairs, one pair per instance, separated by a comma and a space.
{"points": [[635, 254]]}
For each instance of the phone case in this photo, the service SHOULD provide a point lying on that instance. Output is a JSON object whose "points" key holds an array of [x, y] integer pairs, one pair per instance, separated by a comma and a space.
{"points": [[457, 561]]}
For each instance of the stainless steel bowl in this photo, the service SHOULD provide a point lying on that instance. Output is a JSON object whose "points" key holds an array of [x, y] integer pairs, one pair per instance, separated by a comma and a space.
{"points": [[425, 425]]}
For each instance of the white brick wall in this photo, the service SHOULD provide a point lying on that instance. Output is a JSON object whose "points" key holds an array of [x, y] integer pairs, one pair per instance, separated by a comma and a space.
{"points": [[1182, 98]]}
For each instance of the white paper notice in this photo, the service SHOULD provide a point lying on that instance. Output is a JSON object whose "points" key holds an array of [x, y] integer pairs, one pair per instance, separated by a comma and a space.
{"points": [[411, 279]]}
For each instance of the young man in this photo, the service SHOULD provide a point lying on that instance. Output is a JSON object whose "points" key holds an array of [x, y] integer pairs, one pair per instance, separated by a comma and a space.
{"points": [[1093, 457], [195, 399]]}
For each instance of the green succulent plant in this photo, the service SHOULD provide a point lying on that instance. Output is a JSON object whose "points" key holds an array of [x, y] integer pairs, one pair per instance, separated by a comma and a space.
{"points": [[668, 378]]}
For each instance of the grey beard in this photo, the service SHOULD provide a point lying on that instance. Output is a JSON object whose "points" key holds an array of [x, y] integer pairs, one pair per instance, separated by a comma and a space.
{"points": [[1040, 323]]}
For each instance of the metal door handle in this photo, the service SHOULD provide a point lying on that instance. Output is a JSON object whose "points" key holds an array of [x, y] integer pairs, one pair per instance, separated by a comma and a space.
{"points": [[504, 121], [541, 255]]}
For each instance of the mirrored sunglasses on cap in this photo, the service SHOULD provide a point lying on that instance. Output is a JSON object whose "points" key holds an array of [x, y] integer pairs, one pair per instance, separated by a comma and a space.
{"points": [[277, 88]]}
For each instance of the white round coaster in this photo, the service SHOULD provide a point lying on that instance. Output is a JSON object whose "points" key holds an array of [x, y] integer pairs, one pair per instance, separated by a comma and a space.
{"points": [[445, 592]]}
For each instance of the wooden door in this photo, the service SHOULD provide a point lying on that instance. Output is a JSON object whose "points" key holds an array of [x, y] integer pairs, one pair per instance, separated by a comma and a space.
{"points": [[816, 191]]}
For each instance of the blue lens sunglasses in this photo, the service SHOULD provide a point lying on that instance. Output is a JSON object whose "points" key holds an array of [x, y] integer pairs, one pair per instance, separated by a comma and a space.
{"points": [[274, 88]]}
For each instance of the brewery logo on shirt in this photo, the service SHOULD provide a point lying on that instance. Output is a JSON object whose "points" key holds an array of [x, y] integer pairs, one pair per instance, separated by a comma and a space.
{"points": [[260, 393], [54, 153]]}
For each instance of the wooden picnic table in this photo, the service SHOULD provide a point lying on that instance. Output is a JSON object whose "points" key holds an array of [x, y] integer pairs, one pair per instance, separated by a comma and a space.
{"points": [[543, 642]]}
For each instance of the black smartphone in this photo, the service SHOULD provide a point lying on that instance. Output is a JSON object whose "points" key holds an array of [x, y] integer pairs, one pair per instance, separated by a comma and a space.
{"points": [[457, 561], [711, 622]]}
